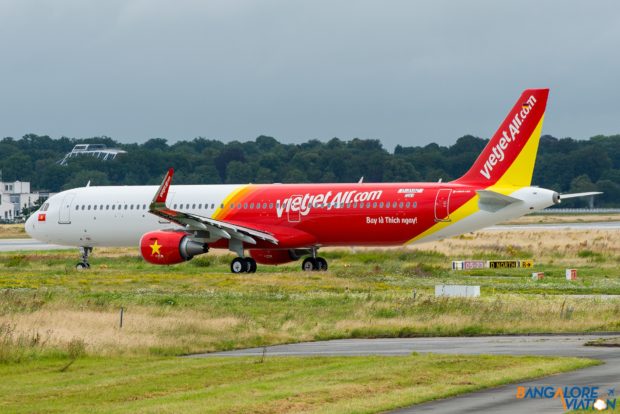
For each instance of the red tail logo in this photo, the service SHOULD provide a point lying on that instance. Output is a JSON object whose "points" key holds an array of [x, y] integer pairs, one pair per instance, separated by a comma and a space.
{"points": [[506, 145]]}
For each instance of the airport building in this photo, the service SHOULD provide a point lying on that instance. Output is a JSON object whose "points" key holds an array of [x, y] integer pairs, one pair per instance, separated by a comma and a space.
{"points": [[15, 196]]}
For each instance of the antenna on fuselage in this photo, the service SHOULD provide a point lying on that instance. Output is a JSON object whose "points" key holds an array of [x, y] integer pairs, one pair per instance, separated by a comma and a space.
{"points": [[88, 183], [361, 181]]}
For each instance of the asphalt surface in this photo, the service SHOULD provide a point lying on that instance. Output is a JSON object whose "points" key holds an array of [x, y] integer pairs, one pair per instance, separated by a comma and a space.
{"points": [[495, 400], [12, 245]]}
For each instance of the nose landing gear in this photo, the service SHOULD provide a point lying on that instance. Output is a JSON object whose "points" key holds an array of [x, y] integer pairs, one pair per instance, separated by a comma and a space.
{"points": [[84, 265]]}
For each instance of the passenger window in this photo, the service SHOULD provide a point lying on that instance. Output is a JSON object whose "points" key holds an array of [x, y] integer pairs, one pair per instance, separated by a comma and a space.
{"points": [[232, 205], [367, 205], [394, 204], [213, 206], [113, 206], [401, 205], [200, 206], [193, 206], [264, 206], [77, 207], [251, 205], [88, 207], [174, 206], [245, 205], [95, 207], [354, 205], [381, 204], [83, 206], [270, 205], [131, 207], [408, 204], [107, 206], [238, 205], [126, 206], [374, 205], [415, 204]]}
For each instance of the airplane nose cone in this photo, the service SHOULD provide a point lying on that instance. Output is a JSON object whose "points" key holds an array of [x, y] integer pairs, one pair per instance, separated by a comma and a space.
{"points": [[30, 226]]}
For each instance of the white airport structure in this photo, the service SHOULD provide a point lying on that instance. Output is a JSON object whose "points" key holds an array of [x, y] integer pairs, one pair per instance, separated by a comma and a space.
{"points": [[15, 196], [99, 151]]}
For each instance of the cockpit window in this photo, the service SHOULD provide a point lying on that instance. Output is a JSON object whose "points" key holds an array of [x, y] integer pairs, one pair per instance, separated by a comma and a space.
{"points": [[45, 206]]}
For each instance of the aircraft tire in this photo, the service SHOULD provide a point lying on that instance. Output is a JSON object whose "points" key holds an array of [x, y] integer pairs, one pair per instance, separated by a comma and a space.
{"points": [[309, 265], [322, 264], [250, 265], [82, 266], [238, 265]]}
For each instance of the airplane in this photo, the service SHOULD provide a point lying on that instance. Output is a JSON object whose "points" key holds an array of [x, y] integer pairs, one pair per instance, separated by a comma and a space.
{"points": [[281, 223]]}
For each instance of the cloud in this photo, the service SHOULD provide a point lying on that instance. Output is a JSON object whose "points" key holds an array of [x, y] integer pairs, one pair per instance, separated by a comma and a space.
{"points": [[406, 72]]}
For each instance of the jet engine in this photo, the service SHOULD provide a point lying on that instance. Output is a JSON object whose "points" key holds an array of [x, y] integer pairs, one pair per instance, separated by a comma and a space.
{"points": [[273, 257], [169, 247]]}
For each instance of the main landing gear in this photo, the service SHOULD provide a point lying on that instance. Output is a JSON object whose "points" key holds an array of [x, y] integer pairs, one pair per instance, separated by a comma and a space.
{"points": [[243, 265], [84, 265], [240, 264], [314, 263]]}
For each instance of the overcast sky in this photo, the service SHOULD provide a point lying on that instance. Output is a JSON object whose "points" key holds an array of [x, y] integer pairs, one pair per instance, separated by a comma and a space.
{"points": [[406, 72]]}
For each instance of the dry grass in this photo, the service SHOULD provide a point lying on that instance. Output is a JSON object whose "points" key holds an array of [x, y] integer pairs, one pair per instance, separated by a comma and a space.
{"points": [[143, 328], [551, 246], [173, 330], [12, 231]]}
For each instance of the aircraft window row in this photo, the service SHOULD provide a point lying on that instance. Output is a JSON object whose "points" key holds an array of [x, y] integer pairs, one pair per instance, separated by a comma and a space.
{"points": [[110, 207], [251, 206], [188, 206], [375, 204]]}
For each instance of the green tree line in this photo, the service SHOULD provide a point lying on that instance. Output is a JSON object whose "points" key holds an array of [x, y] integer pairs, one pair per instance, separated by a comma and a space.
{"points": [[565, 165]]}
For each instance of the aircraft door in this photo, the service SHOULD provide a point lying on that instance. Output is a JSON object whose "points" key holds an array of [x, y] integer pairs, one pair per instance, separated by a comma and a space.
{"points": [[293, 210], [442, 204], [64, 216]]}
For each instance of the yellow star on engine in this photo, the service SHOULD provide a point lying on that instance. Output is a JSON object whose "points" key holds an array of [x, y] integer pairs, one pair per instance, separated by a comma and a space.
{"points": [[155, 248]]}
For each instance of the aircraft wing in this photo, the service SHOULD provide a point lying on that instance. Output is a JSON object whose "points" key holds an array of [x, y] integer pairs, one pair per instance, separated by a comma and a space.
{"points": [[200, 223]]}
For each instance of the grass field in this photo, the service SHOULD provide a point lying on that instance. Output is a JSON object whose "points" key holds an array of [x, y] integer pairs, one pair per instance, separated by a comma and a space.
{"points": [[51, 315], [272, 385]]}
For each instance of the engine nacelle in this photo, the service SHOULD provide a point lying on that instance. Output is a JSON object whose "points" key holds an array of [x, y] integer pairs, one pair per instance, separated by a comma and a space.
{"points": [[169, 247], [273, 257]]}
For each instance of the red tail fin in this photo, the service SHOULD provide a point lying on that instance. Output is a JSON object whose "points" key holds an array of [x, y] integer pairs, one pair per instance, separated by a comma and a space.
{"points": [[511, 153]]}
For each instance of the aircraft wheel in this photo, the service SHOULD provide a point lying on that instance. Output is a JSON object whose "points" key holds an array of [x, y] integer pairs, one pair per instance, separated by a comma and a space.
{"points": [[309, 264], [322, 264], [238, 265], [82, 266], [250, 265]]}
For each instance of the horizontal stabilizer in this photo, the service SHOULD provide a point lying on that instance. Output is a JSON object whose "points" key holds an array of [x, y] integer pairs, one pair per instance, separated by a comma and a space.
{"points": [[493, 201], [576, 195]]}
